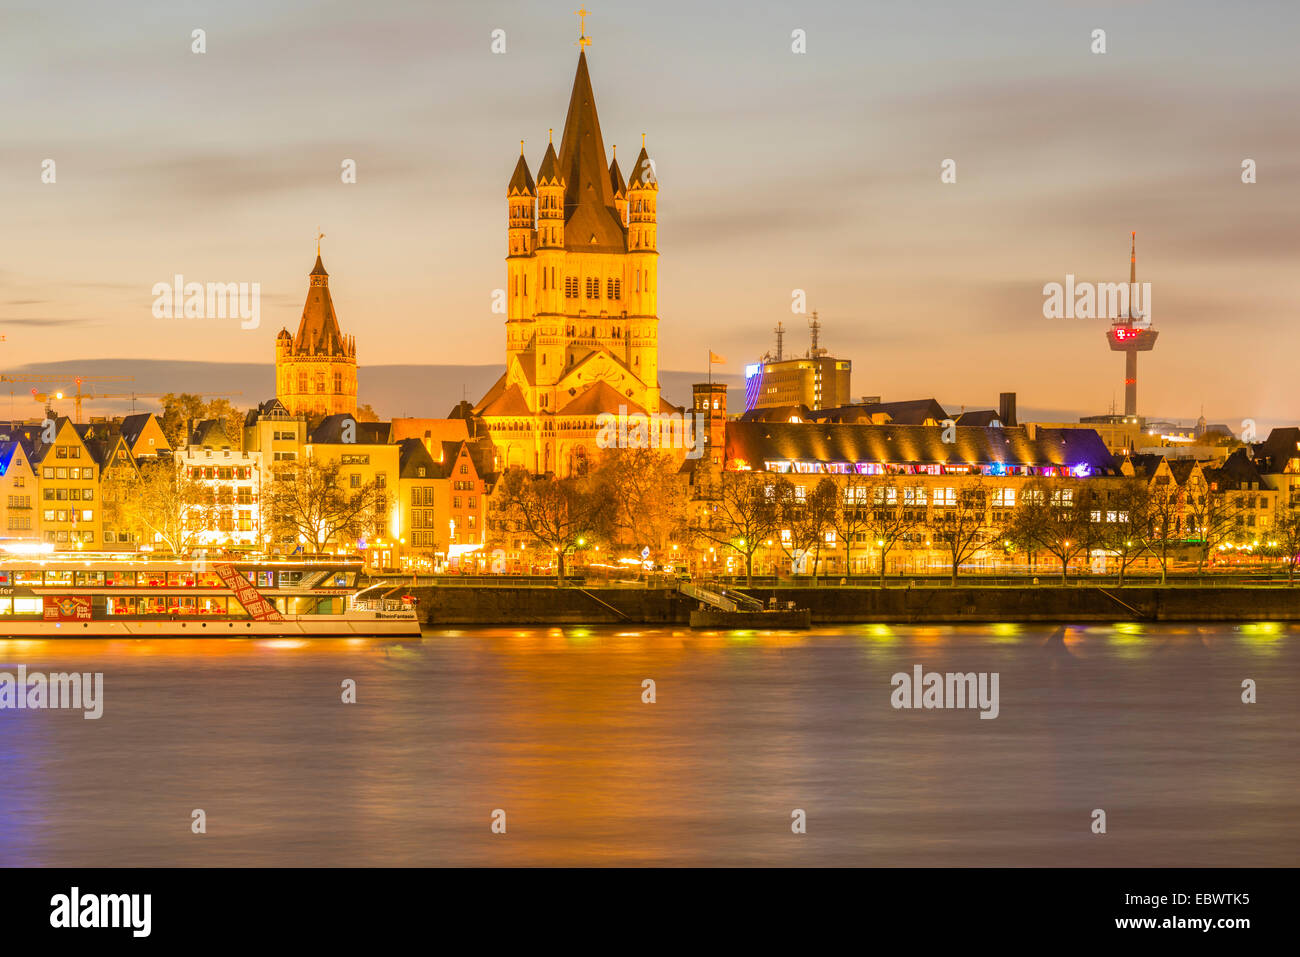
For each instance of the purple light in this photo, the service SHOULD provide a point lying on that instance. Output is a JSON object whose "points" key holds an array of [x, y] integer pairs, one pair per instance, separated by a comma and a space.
{"points": [[1082, 470]]}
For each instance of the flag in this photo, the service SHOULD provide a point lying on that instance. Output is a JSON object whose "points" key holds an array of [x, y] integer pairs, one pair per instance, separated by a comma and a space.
{"points": [[715, 359]]}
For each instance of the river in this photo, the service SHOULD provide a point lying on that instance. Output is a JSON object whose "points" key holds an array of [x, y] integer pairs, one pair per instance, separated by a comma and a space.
{"points": [[549, 726]]}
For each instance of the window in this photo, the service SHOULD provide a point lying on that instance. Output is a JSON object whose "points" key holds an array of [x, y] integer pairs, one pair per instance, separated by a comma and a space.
{"points": [[593, 287], [614, 289], [338, 382], [1004, 498], [302, 382], [945, 497], [570, 287], [355, 481]]}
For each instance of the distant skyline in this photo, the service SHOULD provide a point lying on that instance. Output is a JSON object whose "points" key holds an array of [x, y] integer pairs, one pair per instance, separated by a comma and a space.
{"points": [[778, 172]]}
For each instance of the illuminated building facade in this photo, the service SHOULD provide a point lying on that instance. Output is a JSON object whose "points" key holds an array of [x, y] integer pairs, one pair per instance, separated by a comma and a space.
{"points": [[582, 274], [316, 370]]}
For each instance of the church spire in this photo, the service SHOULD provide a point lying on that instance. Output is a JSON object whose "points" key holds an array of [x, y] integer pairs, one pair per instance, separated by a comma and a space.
{"points": [[591, 218], [318, 330]]}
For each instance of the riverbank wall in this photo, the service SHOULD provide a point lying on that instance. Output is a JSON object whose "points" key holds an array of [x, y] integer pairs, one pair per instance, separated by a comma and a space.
{"points": [[541, 605]]}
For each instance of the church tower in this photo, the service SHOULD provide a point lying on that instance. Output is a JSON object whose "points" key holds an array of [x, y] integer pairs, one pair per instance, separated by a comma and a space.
{"points": [[582, 327], [316, 370]]}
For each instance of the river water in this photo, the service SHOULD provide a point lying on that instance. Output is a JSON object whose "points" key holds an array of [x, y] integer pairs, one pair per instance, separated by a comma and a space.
{"points": [[549, 726]]}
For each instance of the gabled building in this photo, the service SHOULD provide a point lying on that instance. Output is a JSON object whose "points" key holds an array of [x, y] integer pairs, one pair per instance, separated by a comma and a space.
{"points": [[67, 478], [19, 491], [232, 480], [421, 499], [119, 470], [144, 435], [365, 453]]}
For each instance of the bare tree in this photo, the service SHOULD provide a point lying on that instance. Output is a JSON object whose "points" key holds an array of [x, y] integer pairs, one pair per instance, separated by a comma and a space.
{"points": [[895, 511], [1286, 532], [307, 501], [163, 503], [1056, 517], [853, 516], [807, 520], [1127, 535], [1164, 514], [559, 514], [1213, 517], [961, 524], [741, 512], [648, 494]]}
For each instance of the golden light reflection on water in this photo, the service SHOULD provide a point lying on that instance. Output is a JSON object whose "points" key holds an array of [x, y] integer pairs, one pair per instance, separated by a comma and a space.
{"points": [[551, 725]]}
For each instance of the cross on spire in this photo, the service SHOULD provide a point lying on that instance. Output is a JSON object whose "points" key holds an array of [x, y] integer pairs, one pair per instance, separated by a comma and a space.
{"points": [[582, 13], [319, 237]]}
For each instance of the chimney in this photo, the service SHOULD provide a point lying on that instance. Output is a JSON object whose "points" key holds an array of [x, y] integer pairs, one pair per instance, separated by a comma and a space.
{"points": [[1007, 408]]}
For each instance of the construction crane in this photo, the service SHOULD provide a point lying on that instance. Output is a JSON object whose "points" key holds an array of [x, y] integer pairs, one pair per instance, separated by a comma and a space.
{"points": [[78, 380], [79, 397]]}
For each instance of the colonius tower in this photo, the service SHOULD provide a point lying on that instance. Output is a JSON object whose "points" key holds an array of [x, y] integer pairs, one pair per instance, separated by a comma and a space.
{"points": [[1130, 335], [316, 370], [582, 322]]}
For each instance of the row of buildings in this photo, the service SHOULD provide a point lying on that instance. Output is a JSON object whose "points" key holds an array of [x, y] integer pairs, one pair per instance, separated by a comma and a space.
{"points": [[61, 483]]}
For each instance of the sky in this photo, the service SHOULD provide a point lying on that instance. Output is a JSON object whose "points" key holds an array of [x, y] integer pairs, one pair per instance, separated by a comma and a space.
{"points": [[778, 171]]}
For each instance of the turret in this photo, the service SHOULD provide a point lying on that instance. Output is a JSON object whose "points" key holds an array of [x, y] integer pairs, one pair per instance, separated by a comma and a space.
{"points": [[642, 193], [521, 196], [619, 187], [643, 273], [550, 201]]}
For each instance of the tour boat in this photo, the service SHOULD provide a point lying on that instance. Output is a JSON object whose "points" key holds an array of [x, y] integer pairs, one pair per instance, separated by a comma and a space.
{"points": [[139, 598]]}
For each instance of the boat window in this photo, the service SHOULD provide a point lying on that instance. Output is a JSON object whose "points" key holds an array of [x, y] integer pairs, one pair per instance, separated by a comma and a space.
{"points": [[153, 604], [212, 606], [152, 579], [27, 577], [209, 580], [120, 606], [28, 606], [58, 578], [182, 606], [4, 578], [94, 579], [6, 606], [289, 579], [266, 579], [120, 579], [180, 579]]}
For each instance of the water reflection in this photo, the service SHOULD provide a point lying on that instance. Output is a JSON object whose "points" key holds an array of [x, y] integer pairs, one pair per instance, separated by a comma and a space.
{"points": [[548, 724]]}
